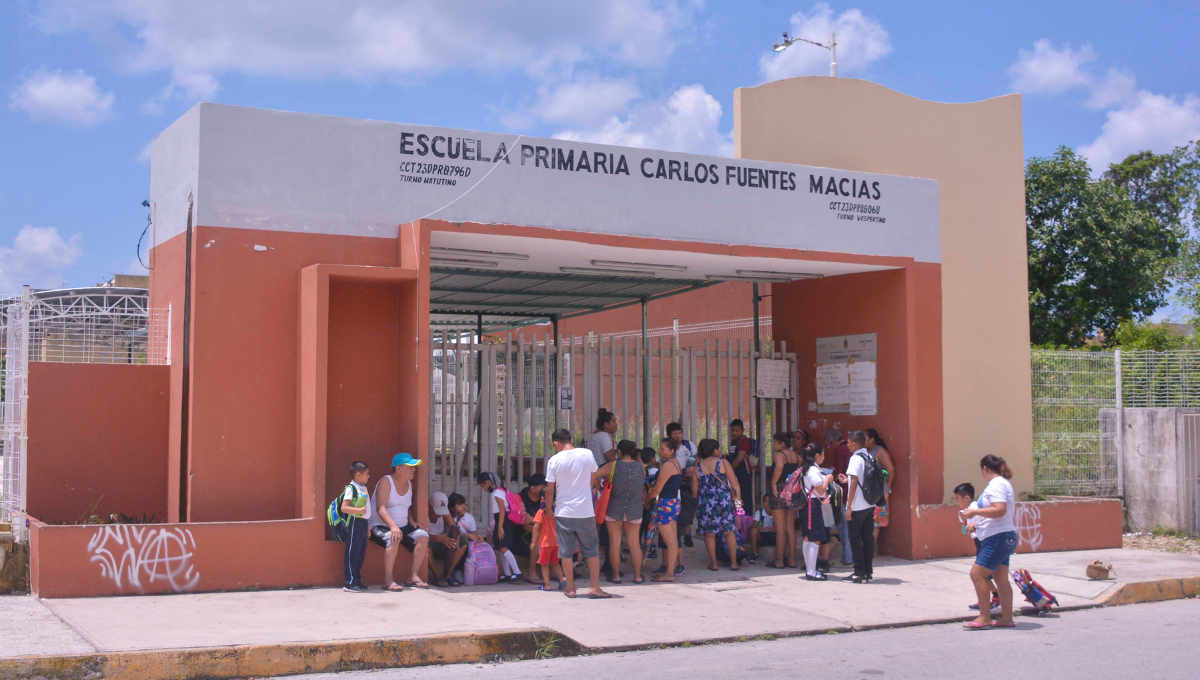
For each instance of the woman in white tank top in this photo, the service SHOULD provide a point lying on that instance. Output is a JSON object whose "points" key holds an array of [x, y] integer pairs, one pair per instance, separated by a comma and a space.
{"points": [[393, 523]]}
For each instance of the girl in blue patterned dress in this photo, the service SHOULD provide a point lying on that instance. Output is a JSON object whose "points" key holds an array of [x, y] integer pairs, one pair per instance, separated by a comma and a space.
{"points": [[717, 490]]}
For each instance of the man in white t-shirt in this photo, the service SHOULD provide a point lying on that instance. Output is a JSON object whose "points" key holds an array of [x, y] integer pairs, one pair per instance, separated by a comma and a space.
{"points": [[570, 474], [860, 514]]}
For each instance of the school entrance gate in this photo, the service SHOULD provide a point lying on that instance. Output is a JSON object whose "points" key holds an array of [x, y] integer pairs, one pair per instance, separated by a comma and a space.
{"points": [[495, 403]]}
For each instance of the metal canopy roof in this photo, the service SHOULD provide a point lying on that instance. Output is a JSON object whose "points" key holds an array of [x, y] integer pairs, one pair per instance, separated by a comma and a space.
{"points": [[509, 299]]}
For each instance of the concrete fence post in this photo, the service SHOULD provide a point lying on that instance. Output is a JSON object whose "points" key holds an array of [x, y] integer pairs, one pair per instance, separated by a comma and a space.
{"points": [[1120, 405]]}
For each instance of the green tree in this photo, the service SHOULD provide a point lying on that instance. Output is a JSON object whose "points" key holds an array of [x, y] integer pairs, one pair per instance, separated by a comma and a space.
{"points": [[1095, 257], [1158, 337], [1167, 187]]}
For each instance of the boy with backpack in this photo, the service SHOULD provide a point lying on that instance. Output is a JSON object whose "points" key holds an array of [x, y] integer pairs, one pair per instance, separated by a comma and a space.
{"points": [[866, 486], [964, 496], [350, 525]]}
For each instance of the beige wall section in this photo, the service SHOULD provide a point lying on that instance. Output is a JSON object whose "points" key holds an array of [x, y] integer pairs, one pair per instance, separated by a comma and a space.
{"points": [[975, 152]]}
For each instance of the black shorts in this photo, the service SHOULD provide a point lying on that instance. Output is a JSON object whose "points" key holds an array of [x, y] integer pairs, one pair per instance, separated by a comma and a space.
{"points": [[766, 537], [409, 535]]}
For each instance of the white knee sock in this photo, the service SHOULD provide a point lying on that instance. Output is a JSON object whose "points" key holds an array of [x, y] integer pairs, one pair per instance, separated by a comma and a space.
{"points": [[510, 564], [811, 550]]}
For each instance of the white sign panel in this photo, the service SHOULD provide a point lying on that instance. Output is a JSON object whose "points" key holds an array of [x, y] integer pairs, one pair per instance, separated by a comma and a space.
{"points": [[846, 377], [566, 398], [773, 379], [281, 171]]}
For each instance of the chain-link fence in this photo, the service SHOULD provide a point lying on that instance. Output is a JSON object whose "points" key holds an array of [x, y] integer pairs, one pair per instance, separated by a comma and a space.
{"points": [[1075, 451]]}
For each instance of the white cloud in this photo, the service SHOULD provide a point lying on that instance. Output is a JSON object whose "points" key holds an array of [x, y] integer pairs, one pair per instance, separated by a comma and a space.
{"points": [[187, 88], [38, 257], [1150, 121], [585, 100], [1050, 70], [63, 98], [861, 40], [198, 42], [1136, 120], [689, 120], [1117, 87]]}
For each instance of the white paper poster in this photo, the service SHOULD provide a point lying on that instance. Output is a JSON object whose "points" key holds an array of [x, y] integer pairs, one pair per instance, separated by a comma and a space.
{"points": [[566, 398], [774, 379], [863, 395], [846, 374], [833, 384]]}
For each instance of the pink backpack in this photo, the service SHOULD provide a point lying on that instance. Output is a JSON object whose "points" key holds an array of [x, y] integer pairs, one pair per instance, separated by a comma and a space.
{"points": [[480, 568], [516, 507]]}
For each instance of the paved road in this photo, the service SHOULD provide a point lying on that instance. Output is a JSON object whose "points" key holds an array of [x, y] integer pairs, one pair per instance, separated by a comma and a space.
{"points": [[1136, 641]]}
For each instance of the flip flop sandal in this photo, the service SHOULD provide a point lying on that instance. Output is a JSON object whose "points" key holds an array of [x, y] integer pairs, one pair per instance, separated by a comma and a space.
{"points": [[639, 581], [601, 596], [658, 579], [394, 588], [571, 596], [714, 569], [562, 585], [417, 584], [775, 565], [996, 624], [975, 625]]}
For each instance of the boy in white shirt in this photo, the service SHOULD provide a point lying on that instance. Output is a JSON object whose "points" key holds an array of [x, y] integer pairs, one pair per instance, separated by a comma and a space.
{"points": [[964, 496], [763, 531]]}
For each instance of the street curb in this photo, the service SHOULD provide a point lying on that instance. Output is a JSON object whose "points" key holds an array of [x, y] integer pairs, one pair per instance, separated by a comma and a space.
{"points": [[240, 661], [1152, 591]]}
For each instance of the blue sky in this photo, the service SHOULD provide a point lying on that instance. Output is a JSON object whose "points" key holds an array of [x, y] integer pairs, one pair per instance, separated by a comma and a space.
{"points": [[87, 85]]}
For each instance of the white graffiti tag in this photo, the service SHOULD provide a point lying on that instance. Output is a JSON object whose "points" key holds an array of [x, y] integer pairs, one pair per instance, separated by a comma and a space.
{"points": [[1029, 526], [140, 556]]}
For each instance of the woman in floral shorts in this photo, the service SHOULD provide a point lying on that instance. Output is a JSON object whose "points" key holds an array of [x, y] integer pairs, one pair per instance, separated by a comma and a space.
{"points": [[665, 496]]}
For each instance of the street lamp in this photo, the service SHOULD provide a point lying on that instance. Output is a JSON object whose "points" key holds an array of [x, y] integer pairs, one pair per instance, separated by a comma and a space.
{"points": [[831, 46]]}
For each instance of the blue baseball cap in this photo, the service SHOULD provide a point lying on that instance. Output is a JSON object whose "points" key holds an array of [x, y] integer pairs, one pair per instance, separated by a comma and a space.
{"points": [[404, 459]]}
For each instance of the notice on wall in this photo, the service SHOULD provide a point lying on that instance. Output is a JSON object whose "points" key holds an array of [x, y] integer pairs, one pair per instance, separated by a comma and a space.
{"points": [[863, 395], [566, 397], [846, 374], [833, 384], [773, 379]]}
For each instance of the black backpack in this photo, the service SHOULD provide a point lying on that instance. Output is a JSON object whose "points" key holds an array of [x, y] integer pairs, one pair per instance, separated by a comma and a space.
{"points": [[873, 481]]}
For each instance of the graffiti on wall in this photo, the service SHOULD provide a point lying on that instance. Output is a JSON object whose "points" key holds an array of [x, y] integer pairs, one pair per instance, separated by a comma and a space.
{"points": [[139, 556], [1029, 525]]}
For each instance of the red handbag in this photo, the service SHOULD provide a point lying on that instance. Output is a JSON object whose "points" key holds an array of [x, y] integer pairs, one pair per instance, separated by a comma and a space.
{"points": [[605, 493]]}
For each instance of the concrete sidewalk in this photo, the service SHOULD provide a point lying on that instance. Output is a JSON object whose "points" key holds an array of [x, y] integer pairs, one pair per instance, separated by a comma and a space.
{"points": [[701, 606]]}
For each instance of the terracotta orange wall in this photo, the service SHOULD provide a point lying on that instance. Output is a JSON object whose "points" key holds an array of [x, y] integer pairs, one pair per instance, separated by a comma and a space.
{"points": [[1044, 526], [97, 440], [243, 419], [201, 557], [901, 307], [729, 300]]}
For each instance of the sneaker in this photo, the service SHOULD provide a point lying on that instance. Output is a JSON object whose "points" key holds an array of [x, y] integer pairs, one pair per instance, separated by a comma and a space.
{"points": [[752, 558], [818, 577], [823, 566], [687, 541], [661, 570], [679, 570], [973, 606], [354, 589], [995, 605]]}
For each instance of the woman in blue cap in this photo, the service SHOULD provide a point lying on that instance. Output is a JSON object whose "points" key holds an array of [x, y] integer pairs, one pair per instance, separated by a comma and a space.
{"points": [[394, 522]]}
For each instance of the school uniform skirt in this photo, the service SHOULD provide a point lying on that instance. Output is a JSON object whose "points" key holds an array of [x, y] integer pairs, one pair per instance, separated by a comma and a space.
{"points": [[812, 523]]}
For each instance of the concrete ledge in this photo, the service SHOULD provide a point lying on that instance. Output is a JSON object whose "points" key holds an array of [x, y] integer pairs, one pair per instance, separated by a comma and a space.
{"points": [[219, 663], [1153, 591]]}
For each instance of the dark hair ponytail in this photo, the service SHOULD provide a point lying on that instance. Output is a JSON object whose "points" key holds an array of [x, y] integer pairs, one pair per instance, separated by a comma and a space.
{"points": [[783, 438], [708, 448], [809, 456], [874, 434], [997, 465], [602, 418]]}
